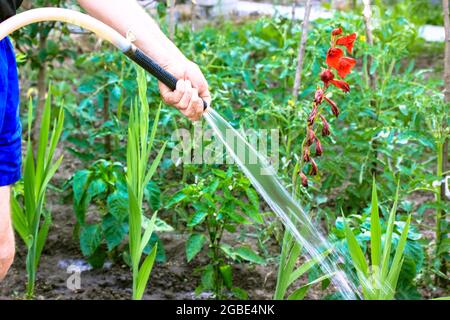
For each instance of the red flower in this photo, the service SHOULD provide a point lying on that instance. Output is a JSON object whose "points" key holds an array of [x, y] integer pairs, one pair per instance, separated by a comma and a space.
{"points": [[325, 126], [319, 149], [314, 169], [345, 66], [326, 76], [304, 179], [333, 57], [333, 105], [347, 41], [336, 31], [306, 154], [341, 85]]}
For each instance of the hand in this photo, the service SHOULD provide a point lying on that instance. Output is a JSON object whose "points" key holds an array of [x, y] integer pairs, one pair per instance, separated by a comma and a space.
{"points": [[191, 89]]}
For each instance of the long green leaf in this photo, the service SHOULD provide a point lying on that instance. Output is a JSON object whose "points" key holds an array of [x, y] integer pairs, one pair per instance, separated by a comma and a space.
{"points": [[397, 262], [19, 219], [43, 140], [305, 267], [42, 238], [375, 229], [301, 292], [388, 237], [355, 250], [144, 273], [148, 233]]}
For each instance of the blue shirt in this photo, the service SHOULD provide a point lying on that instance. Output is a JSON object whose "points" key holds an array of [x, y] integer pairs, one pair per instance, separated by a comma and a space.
{"points": [[10, 126]]}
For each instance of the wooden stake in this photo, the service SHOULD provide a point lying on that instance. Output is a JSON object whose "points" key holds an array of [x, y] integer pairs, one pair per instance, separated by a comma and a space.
{"points": [[301, 50]]}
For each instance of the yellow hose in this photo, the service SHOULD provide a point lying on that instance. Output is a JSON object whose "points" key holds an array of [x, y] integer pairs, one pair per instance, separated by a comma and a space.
{"points": [[64, 15]]}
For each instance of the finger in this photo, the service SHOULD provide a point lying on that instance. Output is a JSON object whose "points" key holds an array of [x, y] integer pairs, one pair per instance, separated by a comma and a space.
{"points": [[172, 97], [187, 95], [206, 96], [195, 109]]}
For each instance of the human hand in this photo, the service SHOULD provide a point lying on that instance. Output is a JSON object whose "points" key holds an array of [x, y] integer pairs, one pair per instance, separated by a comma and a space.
{"points": [[191, 90]]}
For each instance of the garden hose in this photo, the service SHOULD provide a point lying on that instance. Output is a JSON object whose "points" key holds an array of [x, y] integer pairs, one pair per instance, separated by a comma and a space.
{"points": [[99, 28]]}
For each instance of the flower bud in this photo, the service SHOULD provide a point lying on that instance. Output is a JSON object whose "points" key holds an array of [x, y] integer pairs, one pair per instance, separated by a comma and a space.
{"points": [[318, 97], [312, 115], [325, 126], [336, 31], [333, 105], [311, 137], [314, 169], [326, 76], [304, 179], [319, 149], [306, 154]]}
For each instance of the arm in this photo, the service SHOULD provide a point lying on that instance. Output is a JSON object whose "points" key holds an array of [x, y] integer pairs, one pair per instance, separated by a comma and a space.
{"points": [[127, 16]]}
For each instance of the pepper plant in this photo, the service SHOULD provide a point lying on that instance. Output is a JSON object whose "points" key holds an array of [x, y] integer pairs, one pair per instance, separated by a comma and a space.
{"points": [[219, 203]]}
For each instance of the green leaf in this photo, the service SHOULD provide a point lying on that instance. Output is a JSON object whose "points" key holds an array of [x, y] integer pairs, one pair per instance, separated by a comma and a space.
{"points": [[355, 250], [248, 254], [375, 228], [96, 187], [197, 218], [153, 195], [226, 273], [117, 205], [178, 197], [162, 226], [144, 274], [42, 238], [194, 245], [79, 184], [114, 231], [300, 293], [90, 239]]}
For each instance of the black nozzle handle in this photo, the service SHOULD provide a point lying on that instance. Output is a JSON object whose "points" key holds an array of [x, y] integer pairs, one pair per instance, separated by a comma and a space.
{"points": [[153, 68]]}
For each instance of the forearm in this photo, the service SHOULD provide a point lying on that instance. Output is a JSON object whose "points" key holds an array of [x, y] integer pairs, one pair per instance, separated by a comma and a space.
{"points": [[127, 16]]}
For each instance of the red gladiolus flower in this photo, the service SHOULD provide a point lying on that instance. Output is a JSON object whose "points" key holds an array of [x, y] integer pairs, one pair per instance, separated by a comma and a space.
{"points": [[304, 179], [314, 169], [333, 105], [326, 76], [341, 85], [306, 154], [336, 31], [319, 149], [325, 126], [333, 57], [345, 66], [347, 41], [318, 97]]}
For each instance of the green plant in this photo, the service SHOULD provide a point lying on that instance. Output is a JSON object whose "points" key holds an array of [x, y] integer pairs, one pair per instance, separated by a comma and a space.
{"points": [[138, 176], [30, 217], [378, 279], [288, 273], [104, 233], [223, 201]]}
